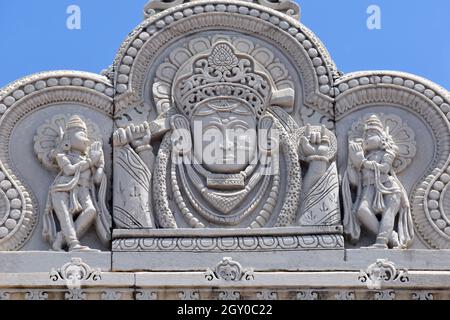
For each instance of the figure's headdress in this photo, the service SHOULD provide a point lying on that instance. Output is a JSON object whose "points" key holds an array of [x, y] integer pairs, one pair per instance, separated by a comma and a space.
{"points": [[374, 123], [75, 122], [221, 73]]}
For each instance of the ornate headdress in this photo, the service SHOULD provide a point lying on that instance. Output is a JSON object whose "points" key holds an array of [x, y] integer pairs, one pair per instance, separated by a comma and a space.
{"points": [[75, 122], [222, 73], [374, 123]]}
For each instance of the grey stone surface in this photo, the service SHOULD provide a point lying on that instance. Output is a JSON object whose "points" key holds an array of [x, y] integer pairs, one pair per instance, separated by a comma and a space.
{"points": [[44, 261], [320, 185]]}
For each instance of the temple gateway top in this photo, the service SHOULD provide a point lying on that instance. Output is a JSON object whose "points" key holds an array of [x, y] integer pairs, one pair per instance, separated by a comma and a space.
{"points": [[288, 7], [225, 141]]}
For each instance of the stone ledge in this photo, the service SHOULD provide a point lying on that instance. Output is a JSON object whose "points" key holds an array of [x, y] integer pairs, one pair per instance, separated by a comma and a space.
{"points": [[169, 233], [201, 261], [44, 261]]}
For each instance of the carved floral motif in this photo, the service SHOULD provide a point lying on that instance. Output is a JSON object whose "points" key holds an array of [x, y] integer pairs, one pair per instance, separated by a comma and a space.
{"points": [[229, 270], [75, 273], [383, 272]]}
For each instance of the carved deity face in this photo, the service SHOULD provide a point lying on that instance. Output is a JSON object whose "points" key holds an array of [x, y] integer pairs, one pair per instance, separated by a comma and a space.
{"points": [[224, 135], [372, 139], [78, 140]]}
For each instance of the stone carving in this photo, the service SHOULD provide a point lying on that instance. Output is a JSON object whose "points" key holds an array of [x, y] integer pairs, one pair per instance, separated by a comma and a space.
{"points": [[229, 270], [229, 295], [19, 100], [422, 295], [311, 59], [223, 94], [226, 244], [428, 102], [264, 58], [383, 272], [133, 205], [286, 6], [16, 220], [75, 294], [74, 273], [307, 295], [111, 295], [36, 295], [384, 295], [267, 295], [345, 295], [245, 66], [5, 295], [189, 295], [72, 147], [146, 295], [376, 154]]}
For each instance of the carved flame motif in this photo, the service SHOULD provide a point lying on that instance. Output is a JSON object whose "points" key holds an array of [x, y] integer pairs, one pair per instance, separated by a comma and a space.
{"points": [[223, 58]]}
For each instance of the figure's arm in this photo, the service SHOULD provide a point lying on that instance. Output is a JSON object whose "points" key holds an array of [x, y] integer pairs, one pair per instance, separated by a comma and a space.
{"points": [[356, 155], [68, 168], [385, 165], [315, 146], [138, 137]]}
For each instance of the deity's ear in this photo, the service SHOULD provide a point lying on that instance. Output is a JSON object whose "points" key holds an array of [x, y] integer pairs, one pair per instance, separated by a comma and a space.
{"points": [[266, 123], [265, 135], [181, 135]]}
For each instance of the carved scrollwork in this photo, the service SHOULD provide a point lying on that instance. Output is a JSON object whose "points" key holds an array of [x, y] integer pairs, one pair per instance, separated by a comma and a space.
{"points": [[311, 58], [166, 73], [381, 273], [307, 295], [285, 6], [229, 270], [146, 294], [75, 273], [189, 295], [229, 295]]}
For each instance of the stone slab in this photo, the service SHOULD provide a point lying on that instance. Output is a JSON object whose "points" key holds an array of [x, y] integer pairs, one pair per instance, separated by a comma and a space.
{"points": [[360, 259], [44, 261], [260, 261]]}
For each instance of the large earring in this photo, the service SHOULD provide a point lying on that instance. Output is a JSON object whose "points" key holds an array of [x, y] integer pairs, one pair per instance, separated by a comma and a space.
{"points": [[66, 147]]}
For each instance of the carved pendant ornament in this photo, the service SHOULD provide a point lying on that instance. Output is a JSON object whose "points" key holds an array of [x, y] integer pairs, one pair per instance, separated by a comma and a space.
{"points": [[224, 121]]}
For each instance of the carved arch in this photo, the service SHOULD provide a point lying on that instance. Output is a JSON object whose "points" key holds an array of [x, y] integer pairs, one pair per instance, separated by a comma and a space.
{"points": [[430, 102], [16, 101], [308, 54]]}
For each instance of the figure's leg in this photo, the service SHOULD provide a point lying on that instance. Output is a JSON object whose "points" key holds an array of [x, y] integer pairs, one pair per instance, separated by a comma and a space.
{"points": [[60, 201], [386, 234], [365, 214], [87, 217]]}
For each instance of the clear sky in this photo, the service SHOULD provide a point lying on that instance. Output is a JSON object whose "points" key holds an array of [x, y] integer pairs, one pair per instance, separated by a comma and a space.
{"points": [[413, 36]]}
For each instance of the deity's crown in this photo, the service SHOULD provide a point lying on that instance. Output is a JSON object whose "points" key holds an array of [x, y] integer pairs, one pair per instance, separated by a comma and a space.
{"points": [[374, 123], [75, 122], [223, 74]]}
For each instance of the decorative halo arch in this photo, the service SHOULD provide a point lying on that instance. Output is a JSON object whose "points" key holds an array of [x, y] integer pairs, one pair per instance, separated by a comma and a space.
{"points": [[308, 55], [431, 103], [16, 101]]}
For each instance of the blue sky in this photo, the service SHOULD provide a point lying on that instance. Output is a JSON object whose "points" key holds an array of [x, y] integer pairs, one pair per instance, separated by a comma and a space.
{"points": [[413, 38]]}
